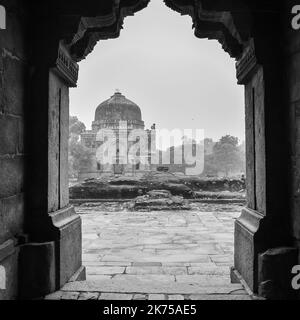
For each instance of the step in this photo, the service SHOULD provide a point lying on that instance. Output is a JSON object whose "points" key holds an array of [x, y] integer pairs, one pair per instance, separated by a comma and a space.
{"points": [[153, 287]]}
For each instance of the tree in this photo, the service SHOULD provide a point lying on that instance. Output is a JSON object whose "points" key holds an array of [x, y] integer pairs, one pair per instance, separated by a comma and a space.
{"points": [[227, 156], [76, 126], [208, 146], [210, 168], [234, 141], [79, 155]]}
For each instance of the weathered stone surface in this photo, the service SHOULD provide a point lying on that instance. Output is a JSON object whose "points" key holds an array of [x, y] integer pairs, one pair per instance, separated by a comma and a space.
{"points": [[139, 296], [95, 190], [79, 275], [54, 296], [165, 253], [99, 277], [175, 297], [13, 79], [117, 188], [115, 296], [12, 176], [56, 142], [145, 277], [143, 287], [144, 270], [11, 216], [175, 270], [9, 131], [146, 264], [274, 273], [220, 195], [159, 247], [159, 200], [69, 241], [203, 280], [9, 261], [90, 257], [13, 85], [156, 297], [88, 296], [208, 270], [245, 247], [219, 297], [69, 295], [37, 270], [105, 270]]}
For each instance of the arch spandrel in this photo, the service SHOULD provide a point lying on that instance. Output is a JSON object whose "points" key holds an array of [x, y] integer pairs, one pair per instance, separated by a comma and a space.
{"points": [[230, 28], [100, 26], [216, 23]]}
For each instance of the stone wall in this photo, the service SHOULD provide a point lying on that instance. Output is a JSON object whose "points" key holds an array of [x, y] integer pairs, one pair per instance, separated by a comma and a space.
{"points": [[292, 45], [13, 74]]}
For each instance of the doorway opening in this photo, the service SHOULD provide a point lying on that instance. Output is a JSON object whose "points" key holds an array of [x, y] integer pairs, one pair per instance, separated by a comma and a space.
{"points": [[158, 224]]}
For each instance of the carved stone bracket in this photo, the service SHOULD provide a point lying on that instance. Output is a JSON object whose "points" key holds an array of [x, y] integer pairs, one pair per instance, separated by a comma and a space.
{"points": [[216, 25], [247, 64], [102, 27], [66, 67]]}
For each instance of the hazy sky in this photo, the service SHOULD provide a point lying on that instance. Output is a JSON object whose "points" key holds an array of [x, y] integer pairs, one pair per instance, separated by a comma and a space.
{"points": [[178, 80]]}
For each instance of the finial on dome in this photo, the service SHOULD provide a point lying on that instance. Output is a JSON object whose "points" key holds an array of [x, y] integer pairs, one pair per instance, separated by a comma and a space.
{"points": [[117, 91]]}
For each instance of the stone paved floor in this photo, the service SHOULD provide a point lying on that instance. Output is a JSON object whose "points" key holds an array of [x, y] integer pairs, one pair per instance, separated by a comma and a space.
{"points": [[156, 255]]}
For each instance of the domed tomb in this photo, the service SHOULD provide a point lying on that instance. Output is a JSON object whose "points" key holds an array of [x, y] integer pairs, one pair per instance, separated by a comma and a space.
{"points": [[115, 109], [111, 114]]}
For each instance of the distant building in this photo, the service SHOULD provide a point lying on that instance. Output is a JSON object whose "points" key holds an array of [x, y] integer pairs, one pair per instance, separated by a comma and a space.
{"points": [[110, 114]]}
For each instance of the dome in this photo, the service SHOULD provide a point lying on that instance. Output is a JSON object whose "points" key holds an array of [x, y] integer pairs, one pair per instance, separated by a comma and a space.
{"points": [[118, 108]]}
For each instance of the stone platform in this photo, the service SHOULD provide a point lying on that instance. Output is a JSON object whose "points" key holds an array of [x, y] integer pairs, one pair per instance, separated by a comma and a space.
{"points": [[157, 255]]}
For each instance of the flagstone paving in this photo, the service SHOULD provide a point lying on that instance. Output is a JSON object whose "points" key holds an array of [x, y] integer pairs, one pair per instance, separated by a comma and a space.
{"points": [[156, 255]]}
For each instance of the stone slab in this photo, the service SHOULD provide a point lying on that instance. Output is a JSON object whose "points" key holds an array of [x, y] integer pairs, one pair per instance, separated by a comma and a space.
{"points": [[124, 286], [115, 296]]}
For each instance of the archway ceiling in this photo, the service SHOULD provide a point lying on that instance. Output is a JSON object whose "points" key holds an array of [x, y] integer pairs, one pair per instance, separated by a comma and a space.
{"points": [[224, 20]]}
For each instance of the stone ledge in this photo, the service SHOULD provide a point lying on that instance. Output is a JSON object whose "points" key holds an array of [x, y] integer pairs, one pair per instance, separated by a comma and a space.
{"points": [[121, 286]]}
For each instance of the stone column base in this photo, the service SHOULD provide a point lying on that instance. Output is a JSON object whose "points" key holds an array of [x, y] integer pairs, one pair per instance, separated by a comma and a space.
{"points": [[68, 244], [54, 252], [247, 245], [275, 274], [254, 234]]}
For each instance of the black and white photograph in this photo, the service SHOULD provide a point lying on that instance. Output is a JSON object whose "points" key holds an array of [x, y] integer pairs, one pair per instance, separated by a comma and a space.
{"points": [[149, 154]]}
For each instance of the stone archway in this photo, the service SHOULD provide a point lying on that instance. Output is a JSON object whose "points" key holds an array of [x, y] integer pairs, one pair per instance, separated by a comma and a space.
{"points": [[67, 33]]}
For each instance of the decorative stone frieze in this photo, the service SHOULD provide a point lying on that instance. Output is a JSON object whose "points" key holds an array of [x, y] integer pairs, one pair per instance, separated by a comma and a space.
{"points": [[67, 68], [247, 64]]}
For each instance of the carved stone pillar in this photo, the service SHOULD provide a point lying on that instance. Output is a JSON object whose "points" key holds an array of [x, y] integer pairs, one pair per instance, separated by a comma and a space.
{"points": [[50, 219], [263, 223]]}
